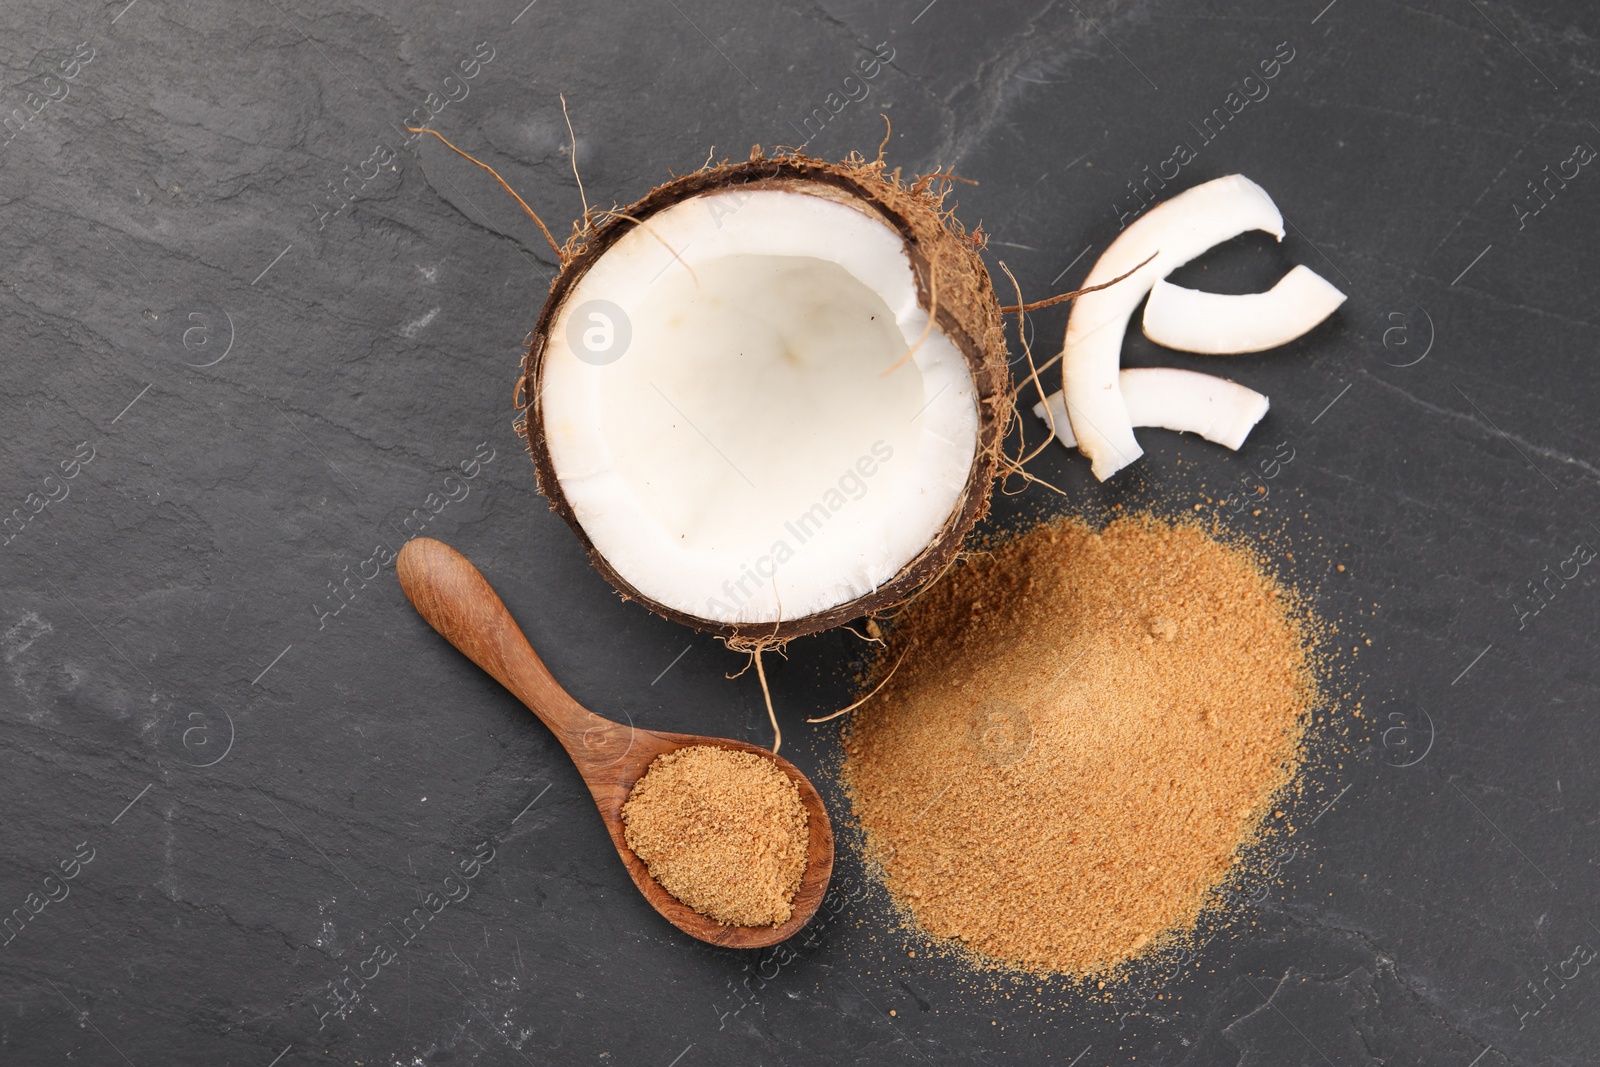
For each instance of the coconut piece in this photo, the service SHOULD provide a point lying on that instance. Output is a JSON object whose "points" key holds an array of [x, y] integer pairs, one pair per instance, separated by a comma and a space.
{"points": [[1217, 409], [1173, 232], [1220, 324], [769, 396]]}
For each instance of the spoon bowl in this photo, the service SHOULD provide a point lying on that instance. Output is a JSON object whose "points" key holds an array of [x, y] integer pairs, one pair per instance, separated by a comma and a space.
{"points": [[456, 600]]}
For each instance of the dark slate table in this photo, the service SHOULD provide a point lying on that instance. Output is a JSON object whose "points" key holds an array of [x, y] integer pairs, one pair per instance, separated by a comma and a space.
{"points": [[254, 338]]}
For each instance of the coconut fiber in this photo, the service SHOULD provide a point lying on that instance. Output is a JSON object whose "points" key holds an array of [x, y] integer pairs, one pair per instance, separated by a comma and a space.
{"points": [[1083, 729]]}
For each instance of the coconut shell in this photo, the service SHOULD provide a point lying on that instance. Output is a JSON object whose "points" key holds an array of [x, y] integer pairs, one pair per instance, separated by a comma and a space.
{"points": [[946, 264]]}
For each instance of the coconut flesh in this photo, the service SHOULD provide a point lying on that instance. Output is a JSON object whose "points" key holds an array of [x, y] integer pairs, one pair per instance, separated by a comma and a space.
{"points": [[1217, 409], [1100, 404], [1163, 239], [751, 401], [1225, 324]]}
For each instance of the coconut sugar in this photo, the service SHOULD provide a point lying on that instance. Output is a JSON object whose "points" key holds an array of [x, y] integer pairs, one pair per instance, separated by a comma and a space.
{"points": [[1085, 728], [723, 831]]}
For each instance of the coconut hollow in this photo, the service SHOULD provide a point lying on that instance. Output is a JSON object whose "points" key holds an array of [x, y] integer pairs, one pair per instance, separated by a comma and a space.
{"points": [[811, 311]]}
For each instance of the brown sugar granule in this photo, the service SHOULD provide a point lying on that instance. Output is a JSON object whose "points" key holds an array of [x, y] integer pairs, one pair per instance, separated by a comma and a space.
{"points": [[722, 831], [1085, 728]]}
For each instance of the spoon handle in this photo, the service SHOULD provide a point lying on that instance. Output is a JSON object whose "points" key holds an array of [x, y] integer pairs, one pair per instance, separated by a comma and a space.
{"points": [[457, 600]]}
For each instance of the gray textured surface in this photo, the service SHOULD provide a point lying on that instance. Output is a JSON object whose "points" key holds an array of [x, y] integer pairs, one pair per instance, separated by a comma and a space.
{"points": [[271, 375]]}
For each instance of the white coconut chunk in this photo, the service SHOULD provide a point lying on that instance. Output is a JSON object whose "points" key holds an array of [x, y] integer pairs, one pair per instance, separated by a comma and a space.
{"points": [[744, 458], [1174, 232], [1217, 409], [1220, 324]]}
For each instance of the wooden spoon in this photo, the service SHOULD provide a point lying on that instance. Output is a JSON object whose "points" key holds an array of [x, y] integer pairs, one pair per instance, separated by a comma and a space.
{"points": [[457, 601]]}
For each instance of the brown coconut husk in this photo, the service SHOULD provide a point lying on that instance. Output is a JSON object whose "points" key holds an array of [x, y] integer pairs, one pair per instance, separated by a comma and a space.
{"points": [[952, 282]]}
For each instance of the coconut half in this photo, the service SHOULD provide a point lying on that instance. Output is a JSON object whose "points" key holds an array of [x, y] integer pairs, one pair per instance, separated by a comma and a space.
{"points": [[769, 396]]}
